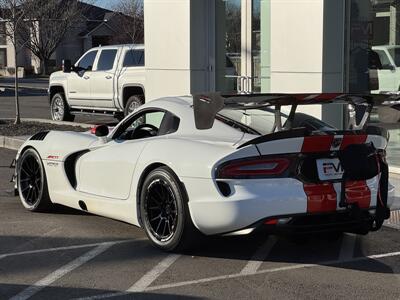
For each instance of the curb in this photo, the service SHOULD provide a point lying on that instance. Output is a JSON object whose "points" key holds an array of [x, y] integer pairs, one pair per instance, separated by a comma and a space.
{"points": [[11, 143], [45, 121]]}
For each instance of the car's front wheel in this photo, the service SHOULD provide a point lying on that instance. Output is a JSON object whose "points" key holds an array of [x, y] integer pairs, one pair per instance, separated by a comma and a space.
{"points": [[32, 182], [164, 212], [59, 109]]}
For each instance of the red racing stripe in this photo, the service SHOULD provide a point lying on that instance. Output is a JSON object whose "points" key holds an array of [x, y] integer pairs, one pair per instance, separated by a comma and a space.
{"points": [[317, 143], [358, 192], [320, 197], [353, 139]]}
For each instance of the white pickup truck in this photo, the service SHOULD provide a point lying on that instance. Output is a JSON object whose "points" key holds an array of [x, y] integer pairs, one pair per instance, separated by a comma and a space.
{"points": [[105, 80]]}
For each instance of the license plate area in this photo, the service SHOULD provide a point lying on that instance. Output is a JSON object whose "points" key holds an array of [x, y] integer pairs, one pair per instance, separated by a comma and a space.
{"points": [[329, 169]]}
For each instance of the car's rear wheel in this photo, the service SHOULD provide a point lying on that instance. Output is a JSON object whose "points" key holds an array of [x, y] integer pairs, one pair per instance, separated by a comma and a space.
{"points": [[164, 212], [32, 182], [59, 108]]}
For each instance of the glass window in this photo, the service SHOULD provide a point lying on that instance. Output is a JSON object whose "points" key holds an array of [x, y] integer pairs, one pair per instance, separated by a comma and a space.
{"points": [[143, 125], [3, 37], [86, 63], [385, 61], [106, 60], [3, 58], [374, 28], [134, 58]]}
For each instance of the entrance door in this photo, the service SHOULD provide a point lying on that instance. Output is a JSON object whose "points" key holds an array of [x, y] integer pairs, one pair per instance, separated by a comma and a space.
{"points": [[242, 46]]}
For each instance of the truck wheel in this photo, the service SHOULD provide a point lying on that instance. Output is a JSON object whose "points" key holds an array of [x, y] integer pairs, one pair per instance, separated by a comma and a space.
{"points": [[133, 103], [59, 108]]}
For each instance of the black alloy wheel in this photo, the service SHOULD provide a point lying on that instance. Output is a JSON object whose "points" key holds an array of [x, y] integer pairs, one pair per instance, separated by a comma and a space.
{"points": [[164, 212], [31, 180]]}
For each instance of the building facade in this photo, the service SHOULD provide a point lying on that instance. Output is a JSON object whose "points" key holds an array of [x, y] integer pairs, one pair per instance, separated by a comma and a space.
{"points": [[283, 46]]}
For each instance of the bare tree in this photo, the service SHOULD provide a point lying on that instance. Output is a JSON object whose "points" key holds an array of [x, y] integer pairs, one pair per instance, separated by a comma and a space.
{"points": [[46, 24], [130, 21], [13, 16]]}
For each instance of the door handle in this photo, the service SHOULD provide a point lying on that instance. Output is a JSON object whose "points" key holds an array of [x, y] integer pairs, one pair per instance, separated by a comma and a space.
{"points": [[108, 77], [86, 77]]}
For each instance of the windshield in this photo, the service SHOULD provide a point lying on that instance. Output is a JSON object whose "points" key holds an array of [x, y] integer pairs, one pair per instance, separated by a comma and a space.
{"points": [[395, 53], [260, 121]]}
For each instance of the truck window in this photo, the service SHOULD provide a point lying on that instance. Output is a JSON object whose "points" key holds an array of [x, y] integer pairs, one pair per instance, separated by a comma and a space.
{"points": [[384, 58], [106, 60], [87, 61], [134, 58]]}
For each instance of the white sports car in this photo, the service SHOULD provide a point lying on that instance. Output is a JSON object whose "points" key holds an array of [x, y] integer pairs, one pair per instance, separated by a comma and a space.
{"points": [[183, 166]]}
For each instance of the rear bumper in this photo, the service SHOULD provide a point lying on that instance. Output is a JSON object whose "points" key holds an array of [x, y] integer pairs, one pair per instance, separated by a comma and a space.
{"points": [[254, 202], [359, 222]]}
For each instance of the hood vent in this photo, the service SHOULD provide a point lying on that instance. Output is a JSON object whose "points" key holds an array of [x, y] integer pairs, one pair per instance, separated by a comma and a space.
{"points": [[39, 136]]}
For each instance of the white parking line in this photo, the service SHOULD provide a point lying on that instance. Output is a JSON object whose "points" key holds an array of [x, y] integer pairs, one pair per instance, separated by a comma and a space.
{"points": [[64, 248], [279, 269], [153, 274], [143, 283], [259, 257], [57, 274], [238, 275], [348, 244]]}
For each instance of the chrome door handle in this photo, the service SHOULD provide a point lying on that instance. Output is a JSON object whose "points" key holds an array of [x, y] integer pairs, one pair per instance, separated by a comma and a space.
{"points": [[86, 77], [108, 77]]}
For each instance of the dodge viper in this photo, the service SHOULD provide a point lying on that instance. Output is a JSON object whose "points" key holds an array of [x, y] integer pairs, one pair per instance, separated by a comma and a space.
{"points": [[212, 164]]}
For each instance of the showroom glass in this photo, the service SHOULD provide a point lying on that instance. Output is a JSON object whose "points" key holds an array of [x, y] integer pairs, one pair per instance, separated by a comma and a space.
{"points": [[374, 31], [88, 60], [134, 58], [262, 121], [106, 60], [242, 60]]}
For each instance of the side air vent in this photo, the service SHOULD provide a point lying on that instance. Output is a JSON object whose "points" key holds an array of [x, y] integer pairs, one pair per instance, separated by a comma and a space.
{"points": [[39, 136]]}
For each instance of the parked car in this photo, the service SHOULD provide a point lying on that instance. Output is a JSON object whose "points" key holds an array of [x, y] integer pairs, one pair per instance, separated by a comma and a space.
{"points": [[388, 78], [105, 80], [182, 167]]}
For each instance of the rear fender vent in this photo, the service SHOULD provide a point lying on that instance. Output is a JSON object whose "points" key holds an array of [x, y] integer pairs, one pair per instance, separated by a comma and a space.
{"points": [[40, 136]]}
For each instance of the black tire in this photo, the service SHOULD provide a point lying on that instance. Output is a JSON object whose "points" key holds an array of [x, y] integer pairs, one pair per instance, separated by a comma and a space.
{"points": [[59, 109], [162, 198], [32, 182], [133, 103]]}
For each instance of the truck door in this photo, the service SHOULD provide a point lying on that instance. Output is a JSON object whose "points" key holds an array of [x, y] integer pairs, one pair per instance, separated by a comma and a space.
{"points": [[102, 81], [78, 82]]}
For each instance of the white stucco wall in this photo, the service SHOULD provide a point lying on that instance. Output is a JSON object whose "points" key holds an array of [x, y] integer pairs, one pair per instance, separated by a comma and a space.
{"points": [[307, 42], [167, 42]]}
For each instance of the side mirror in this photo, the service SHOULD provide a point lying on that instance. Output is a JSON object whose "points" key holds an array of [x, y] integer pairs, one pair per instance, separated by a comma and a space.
{"points": [[101, 131], [66, 66], [392, 68]]}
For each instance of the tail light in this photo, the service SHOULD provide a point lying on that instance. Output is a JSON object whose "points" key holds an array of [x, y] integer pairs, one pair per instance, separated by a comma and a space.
{"points": [[253, 168]]}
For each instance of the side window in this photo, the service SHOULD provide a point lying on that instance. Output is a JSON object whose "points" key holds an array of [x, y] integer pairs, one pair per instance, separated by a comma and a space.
{"points": [[385, 62], [144, 125], [134, 58], [106, 60], [87, 61]]}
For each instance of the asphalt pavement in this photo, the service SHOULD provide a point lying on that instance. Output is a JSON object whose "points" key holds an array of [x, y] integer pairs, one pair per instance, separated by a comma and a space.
{"points": [[68, 254]]}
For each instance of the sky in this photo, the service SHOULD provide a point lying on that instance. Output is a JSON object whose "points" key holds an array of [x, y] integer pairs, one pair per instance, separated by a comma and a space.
{"points": [[105, 3]]}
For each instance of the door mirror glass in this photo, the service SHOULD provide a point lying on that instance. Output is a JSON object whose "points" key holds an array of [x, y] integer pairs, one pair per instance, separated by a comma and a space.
{"points": [[66, 66]]}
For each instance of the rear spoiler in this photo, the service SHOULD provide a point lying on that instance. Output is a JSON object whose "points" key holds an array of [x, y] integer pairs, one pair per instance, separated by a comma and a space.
{"points": [[207, 106]]}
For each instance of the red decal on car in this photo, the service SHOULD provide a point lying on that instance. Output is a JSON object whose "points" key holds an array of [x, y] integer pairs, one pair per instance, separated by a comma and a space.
{"points": [[321, 197], [317, 143], [353, 139], [358, 192]]}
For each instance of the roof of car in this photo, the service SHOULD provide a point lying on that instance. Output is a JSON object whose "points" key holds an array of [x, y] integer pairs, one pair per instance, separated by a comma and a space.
{"points": [[129, 46]]}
